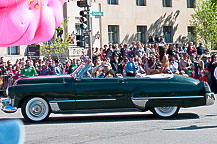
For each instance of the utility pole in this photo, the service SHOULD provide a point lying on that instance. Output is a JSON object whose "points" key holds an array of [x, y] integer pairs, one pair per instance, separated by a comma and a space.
{"points": [[89, 30], [86, 4]]}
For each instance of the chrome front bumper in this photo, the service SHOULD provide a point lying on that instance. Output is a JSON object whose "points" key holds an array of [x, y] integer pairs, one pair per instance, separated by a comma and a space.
{"points": [[210, 98], [6, 107]]}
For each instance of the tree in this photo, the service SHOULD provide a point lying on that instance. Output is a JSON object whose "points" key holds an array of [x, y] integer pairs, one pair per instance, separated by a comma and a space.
{"points": [[204, 21], [58, 44]]}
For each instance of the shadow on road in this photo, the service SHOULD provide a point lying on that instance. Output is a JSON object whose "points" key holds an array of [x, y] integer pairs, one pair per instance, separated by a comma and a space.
{"points": [[110, 118], [193, 127]]}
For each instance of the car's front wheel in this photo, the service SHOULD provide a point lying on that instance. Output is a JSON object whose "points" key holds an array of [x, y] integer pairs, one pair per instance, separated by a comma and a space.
{"points": [[165, 112], [35, 109]]}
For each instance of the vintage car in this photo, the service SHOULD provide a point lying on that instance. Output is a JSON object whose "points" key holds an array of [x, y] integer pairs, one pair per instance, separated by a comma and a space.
{"points": [[162, 94]]}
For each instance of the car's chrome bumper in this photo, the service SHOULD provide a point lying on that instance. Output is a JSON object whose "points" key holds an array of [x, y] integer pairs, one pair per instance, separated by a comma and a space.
{"points": [[6, 107], [210, 98]]}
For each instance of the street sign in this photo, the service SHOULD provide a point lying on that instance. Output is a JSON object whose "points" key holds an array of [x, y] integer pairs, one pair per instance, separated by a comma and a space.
{"points": [[97, 13]]}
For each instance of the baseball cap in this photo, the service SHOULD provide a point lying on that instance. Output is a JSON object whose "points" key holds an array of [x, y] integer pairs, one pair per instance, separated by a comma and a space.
{"points": [[107, 64]]}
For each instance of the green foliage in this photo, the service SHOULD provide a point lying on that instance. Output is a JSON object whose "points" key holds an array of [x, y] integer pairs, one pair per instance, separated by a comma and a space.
{"points": [[204, 21], [54, 46], [214, 1], [57, 45]]}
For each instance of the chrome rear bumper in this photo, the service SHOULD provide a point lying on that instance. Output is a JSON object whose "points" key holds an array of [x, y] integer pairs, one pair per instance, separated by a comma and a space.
{"points": [[6, 107], [210, 98]]}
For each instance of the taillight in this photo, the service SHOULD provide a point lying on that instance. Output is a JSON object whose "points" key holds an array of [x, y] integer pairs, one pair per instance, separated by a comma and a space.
{"points": [[206, 84], [207, 88]]}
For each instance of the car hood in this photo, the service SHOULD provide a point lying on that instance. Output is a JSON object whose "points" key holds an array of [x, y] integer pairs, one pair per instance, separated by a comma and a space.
{"points": [[42, 79]]}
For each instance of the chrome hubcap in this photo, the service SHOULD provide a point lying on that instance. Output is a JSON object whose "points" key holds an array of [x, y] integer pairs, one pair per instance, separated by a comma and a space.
{"points": [[165, 109], [37, 108]]}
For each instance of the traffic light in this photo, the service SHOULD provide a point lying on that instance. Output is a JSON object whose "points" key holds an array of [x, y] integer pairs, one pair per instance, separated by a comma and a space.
{"points": [[80, 40], [83, 19], [84, 3]]}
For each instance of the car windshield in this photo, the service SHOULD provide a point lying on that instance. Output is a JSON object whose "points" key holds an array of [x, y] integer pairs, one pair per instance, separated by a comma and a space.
{"points": [[80, 70]]}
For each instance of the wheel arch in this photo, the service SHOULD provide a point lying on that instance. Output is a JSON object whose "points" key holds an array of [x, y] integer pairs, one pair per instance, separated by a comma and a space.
{"points": [[24, 98]]}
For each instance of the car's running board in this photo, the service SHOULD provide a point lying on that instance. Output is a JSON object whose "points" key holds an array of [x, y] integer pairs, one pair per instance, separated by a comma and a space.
{"points": [[92, 111]]}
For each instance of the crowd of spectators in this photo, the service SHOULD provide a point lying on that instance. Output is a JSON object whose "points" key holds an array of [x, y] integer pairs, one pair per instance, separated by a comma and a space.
{"points": [[134, 60]]}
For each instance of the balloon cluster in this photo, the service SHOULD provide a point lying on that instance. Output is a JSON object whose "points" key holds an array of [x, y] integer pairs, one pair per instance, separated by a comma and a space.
{"points": [[25, 22]]}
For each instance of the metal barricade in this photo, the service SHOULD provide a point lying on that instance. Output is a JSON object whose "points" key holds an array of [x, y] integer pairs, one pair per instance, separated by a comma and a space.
{"points": [[5, 82]]}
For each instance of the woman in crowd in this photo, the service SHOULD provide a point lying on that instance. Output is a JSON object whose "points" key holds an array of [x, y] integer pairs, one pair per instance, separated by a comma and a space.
{"points": [[163, 60]]}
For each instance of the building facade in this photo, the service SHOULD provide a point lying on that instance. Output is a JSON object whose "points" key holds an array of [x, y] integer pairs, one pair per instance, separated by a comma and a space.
{"points": [[135, 20], [124, 21]]}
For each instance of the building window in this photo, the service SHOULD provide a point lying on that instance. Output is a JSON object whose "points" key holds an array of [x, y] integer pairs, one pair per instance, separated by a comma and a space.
{"points": [[141, 2], [167, 32], [14, 50], [191, 34], [167, 3], [112, 2], [190, 3], [113, 34], [141, 33]]}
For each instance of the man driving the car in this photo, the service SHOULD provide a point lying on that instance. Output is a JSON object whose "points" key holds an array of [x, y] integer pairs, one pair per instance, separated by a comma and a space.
{"points": [[109, 73]]}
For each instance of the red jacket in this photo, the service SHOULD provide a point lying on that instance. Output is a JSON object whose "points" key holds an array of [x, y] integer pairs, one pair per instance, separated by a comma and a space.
{"points": [[191, 50]]}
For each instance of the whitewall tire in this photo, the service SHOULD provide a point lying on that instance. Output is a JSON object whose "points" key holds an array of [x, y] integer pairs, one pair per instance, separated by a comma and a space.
{"points": [[35, 109], [165, 112]]}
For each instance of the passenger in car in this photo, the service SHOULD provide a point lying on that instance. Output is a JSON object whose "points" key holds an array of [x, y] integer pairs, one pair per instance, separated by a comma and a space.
{"points": [[109, 73]]}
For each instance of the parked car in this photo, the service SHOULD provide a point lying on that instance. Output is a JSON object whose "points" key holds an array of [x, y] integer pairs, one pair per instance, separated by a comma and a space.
{"points": [[162, 94]]}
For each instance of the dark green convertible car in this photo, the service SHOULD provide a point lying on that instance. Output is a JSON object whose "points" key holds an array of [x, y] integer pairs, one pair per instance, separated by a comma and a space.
{"points": [[162, 94]]}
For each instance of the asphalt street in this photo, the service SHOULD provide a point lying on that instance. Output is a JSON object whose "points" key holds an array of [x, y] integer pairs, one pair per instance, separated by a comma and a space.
{"points": [[192, 126]]}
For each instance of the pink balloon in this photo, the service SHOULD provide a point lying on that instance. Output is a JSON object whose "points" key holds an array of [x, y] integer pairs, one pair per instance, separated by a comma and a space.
{"points": [[24, 22]]}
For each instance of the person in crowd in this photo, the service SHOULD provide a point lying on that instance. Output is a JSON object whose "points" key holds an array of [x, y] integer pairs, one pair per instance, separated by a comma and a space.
{"points": [[173, 65], [204, 76], [171, 50], [200, 49], [124, 50], [150, 39], [73, 66], [3, 68], [193, 72], [154, 65], [139, 49], [115, 64], [131, 68], [28, 70], [17, 73], [191, 49], [211, 77], [57, 69], [141, 67], [156, 39], [44, 70], [66, 69], [163, 60]]}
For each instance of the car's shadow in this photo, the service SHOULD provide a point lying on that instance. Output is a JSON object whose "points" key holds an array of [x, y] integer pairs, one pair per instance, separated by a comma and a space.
{"points": [[109, 118]]}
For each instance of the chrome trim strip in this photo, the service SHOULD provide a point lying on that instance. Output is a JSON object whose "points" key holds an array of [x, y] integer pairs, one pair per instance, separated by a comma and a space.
{"points": [[54, 107], [84, 100], [174, 97], [58, 101], [93, 100]]}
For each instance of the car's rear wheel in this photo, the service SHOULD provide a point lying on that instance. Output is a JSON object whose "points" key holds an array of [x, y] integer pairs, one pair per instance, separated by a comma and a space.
{"points": [[35, 109], [165, 111]]}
